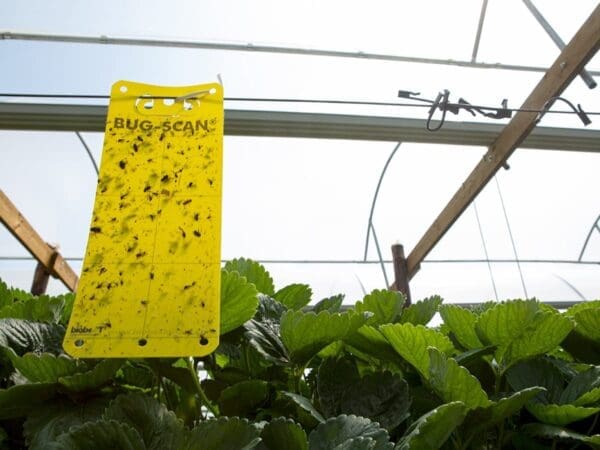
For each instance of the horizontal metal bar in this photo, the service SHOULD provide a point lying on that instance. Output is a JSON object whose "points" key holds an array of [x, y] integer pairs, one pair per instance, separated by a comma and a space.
{"points": [[69, 117], [107, 40]]}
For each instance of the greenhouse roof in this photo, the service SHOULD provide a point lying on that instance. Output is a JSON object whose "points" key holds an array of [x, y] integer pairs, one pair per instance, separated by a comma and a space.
{"points": [[317, 141]]}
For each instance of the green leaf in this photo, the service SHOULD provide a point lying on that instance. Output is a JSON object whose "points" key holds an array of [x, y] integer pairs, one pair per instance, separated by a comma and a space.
{"points": [[282, 433], [383, 397], [583, 389], [44, 368], [177, 374], [505, 322], [294, 296], [159, 428], [521, 329], [243, 398], [332, 304], [359, 443], [571, 311], [338, 430], [422, 312], [537, 372], [411, 342], [453, 382], [92, 379], [254, 272], [553, 432], [560, 414], [101, 435], [369, 340], [305, 334], [25, 336], [431, 430], [588, 323], [45, 423], [269, 310], [481, 419], [19, 400], [265, 340], [582, 348], [330, 389], [39, 309], [385, 305], [305, 404], [6, 297], [137, 374], [545, 333], [230, 433], [238, 301], [461, 322], [472, 355]]}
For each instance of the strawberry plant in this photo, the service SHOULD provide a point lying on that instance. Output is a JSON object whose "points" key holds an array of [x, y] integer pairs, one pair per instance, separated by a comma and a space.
{"points": [[517, 374]]}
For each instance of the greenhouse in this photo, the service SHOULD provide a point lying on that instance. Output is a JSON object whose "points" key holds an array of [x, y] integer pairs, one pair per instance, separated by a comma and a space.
{"points": [[302, 226]]}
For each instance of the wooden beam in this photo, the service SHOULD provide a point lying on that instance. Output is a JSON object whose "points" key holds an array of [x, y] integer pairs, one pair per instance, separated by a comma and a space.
{"points": [[400, 274], [49, 257], [574, 56]]}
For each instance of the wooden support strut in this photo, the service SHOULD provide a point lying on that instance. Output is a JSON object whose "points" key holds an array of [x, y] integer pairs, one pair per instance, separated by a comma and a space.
{"points": [[400, 273], [46, 255], [567, 66]]}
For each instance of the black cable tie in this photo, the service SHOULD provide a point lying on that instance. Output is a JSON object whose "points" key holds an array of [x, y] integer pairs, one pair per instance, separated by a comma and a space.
{"points": [[579, 111], [466, 106], [441, 101], [583, 116], [407, 94]]}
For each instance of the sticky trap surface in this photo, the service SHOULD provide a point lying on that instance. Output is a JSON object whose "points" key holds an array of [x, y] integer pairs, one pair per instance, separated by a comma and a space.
{"points": [[150, 284]]}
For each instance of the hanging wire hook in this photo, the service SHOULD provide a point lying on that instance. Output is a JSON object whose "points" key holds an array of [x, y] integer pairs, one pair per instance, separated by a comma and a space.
{"points": [[577, 110], [441, 102]]}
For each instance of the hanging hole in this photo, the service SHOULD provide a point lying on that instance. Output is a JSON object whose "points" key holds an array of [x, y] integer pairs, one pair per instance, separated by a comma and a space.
{"points": [[142, 342], [212, 91], [187, 106], [79, 343], [123, 89], [168, 101], [203, 341], [149, 104]]}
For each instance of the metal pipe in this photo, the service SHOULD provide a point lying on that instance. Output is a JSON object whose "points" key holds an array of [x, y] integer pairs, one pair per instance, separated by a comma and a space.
{"points": [[105, 40], [584, 74], [479, 30]]}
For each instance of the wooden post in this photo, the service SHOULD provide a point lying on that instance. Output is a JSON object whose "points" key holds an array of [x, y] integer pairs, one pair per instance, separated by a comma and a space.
{"points": [[46, 255], [570, 62], [400, 273], [40, 280]]}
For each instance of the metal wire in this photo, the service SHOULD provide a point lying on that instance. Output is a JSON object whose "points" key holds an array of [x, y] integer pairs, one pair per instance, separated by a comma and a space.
{"points": [[587, 239], [485, 249], [512, 240], [304, 100], [89, 152], [370, 222]]}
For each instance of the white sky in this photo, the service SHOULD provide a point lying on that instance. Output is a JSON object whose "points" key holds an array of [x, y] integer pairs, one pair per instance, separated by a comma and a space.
{"points": [[309, 199]]}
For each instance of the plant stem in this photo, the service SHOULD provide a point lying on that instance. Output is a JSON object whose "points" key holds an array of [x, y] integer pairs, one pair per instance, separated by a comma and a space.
{"points": [[553, 444], [192, 368]]}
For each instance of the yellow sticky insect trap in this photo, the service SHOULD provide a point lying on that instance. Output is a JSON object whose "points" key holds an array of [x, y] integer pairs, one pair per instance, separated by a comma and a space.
{"points": [[150, 284]]}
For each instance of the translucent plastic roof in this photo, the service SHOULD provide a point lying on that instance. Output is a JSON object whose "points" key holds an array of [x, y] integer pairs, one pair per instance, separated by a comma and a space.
{"points": [[302, 205]]}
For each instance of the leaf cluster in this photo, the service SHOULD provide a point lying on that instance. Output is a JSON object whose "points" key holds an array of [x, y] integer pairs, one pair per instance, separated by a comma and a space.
{"points": [[296, 374]]}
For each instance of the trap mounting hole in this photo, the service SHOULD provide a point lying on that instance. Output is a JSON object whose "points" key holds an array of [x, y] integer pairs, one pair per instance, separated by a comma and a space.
{"points": [[79, 343], [142, 342], [123, 89], [203, 341], [212, 91]]}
